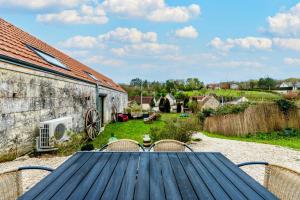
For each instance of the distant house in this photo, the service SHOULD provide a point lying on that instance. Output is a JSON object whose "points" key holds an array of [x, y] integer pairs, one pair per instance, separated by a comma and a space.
{"points": [[289, 86], [234, 86], [208, 101], [171, 99], [238, 101], [225, 86], [213, 86], [146, 101]]}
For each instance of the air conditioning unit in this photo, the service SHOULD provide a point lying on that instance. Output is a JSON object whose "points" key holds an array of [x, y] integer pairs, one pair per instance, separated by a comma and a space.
{"points": [[53, 130]]}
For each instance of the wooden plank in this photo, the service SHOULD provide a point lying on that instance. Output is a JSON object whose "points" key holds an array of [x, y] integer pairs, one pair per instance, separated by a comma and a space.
{"points": [[157, 191], [83, 188], [262, 191], [142, 188], [129, 180], [39, 187], [206, 185], [114, 184], [66, 190], [183, 182], [244, 188], [170, 185], [51, 189], [225, 183], [99, 185]]}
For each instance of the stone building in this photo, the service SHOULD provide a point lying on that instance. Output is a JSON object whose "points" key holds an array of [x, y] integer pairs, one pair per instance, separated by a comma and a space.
{"points": [[39, 83]]}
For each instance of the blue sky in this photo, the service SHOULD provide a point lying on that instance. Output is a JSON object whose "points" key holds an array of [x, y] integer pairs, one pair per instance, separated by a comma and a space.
{"points": [[162, 39]]}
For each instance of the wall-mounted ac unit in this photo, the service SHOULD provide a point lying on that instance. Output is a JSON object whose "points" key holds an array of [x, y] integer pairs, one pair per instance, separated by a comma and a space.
{"points": [[53, 130]]}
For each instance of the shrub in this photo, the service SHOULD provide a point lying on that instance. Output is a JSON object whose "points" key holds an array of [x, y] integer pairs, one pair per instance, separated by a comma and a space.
{"points": [[193, 106], [87, 147], [74, 144], [206, 113], [291, 96], [232, 109], [285, 105], [176, 129]]}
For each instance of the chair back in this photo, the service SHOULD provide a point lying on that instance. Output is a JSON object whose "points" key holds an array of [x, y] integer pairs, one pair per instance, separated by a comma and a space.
{"points": [[169, 146], [282, 182], [123, 145], [11, 185]]}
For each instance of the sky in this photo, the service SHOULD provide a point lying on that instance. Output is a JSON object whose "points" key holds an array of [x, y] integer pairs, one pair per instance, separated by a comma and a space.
{"points": [[212, 40]]}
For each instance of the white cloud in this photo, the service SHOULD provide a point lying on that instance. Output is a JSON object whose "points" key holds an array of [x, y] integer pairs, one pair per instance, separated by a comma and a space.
{"points": [[145, 49], [187, 32], [236, 64], [153, 10], [83, 42], [85, 15], [292, 61], [100, 60], [288, 43], [286, 23], [128, 35], [245, 43], [39, 4], [124, 35]]}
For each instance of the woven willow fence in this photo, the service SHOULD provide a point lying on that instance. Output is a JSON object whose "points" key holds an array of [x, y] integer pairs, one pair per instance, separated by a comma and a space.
{"points": [[258, 118]]}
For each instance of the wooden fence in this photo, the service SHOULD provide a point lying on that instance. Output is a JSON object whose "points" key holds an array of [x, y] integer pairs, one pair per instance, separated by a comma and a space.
{"points": [[258, 118]]}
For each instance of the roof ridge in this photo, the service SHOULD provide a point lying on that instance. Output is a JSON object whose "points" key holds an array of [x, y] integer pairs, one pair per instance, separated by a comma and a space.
{"points": [[13, 37]]}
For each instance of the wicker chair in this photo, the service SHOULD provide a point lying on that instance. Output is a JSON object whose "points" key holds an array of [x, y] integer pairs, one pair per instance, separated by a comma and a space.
{"points": [[11, 186], [123, 145], [282, 182], [169, 145]]}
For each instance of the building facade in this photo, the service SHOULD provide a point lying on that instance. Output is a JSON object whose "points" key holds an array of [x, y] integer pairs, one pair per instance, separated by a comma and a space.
{"points": [[39, 83]]}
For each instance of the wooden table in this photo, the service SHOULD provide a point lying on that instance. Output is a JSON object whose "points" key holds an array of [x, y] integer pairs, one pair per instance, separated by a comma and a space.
{"points": [[148, 175]]}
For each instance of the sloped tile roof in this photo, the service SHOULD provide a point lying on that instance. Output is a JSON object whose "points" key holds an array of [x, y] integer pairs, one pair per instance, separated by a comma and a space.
{"points": [[13, 43]]}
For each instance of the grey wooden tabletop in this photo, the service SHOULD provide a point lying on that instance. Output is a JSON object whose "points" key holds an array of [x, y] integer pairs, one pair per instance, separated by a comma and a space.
{"points": [[148, 175]]}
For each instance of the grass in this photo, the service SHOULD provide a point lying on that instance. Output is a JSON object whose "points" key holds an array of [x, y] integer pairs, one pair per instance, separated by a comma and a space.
{"points": [[132, 129], [265, 138], [251, 95]]}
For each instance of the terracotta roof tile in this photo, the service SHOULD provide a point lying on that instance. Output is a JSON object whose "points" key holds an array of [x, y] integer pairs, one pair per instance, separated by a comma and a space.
{"points": [[13, 43]]}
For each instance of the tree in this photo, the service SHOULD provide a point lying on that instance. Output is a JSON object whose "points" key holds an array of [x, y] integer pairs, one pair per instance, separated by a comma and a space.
{"points": [[266, 83], [136, 82], [167, 106], [170, 86]]}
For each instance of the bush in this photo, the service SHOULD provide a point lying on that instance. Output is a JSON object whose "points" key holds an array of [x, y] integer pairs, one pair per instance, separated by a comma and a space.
{"points": [[87, 147], [291, 95], [74, 144], [285, 105], [176, 129], [206, 113], [232, 109], [193, 106]]}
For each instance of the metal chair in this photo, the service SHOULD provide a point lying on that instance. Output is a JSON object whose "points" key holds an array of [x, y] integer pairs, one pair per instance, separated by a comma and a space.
{"points": [[123, 145], [282, 182], [169, 146], [11, 186]]}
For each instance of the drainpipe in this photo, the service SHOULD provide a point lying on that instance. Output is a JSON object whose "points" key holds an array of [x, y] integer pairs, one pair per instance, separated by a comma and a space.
{"points": [[97, 98]]}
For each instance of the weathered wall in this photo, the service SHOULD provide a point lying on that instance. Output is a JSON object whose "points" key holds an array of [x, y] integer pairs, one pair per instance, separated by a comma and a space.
{"points": [[28, 97]]}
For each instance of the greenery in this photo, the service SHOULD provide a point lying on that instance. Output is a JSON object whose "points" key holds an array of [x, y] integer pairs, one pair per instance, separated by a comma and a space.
{"points": [[234, 94], [74, 144], [285, 105], [176, 129], [132, 129], [231, 109], [287, 138]]}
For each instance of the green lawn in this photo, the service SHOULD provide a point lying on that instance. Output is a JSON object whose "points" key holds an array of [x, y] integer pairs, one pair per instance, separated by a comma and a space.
{"points": [[251, 95], [291, 142], [132, 129]]}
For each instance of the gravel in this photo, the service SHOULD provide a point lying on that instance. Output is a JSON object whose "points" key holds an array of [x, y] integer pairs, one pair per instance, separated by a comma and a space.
{"points": [[236, 151]]}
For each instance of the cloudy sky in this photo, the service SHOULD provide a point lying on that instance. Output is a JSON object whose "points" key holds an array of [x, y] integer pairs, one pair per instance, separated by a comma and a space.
{"points": [[169, 39]]}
